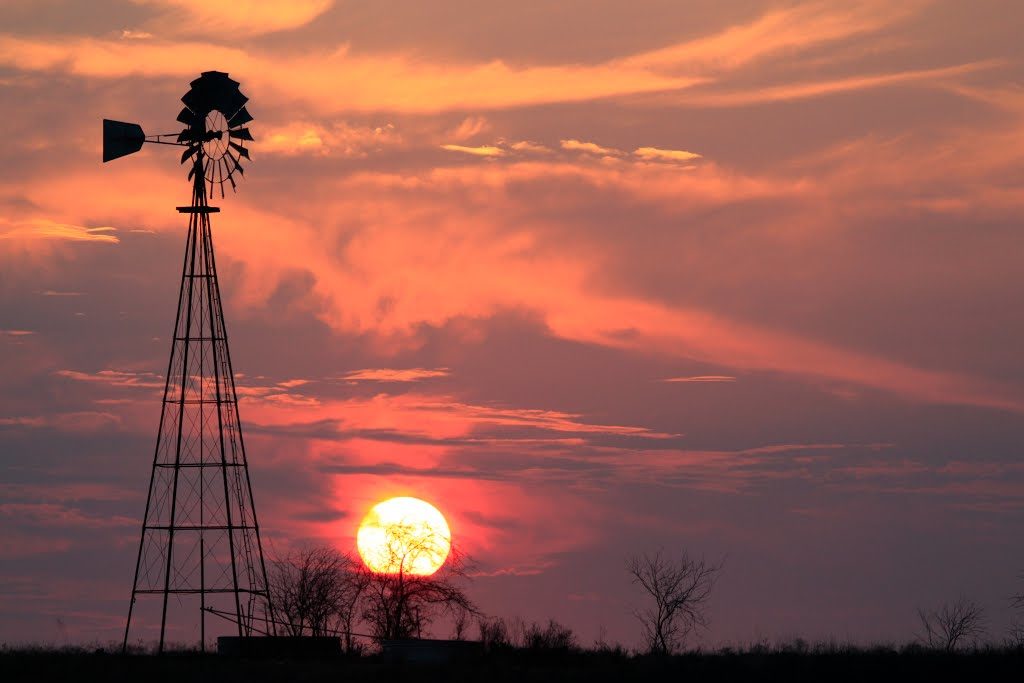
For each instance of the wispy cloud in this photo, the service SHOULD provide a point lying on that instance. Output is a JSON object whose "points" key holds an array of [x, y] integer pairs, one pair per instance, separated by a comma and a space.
{"points": [[22, 421], [481, 151], [79, 421], [779, 31], [360, 82], [401, 82], [339, 139], [130, 34], [589, 147], [749, 346], [66, 492], [469, 127], [501, 148], [654, 153], [118, 378], [52, 230], [395, 374], [441, 420], [245, 17], [514, 570], [938, 77], [553, 420], [701, 378], [528, 146], [57, 515]]}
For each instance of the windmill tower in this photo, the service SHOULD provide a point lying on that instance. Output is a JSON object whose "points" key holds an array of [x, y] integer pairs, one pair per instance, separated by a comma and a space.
{"points": [[200, 548]]}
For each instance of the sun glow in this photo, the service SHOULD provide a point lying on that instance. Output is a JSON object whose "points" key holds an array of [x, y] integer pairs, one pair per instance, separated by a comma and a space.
{"points": [[404, 535]]}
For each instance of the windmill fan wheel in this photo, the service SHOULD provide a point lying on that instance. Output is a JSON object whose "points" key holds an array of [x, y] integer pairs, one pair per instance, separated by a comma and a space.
{"points": [[215, 118]]}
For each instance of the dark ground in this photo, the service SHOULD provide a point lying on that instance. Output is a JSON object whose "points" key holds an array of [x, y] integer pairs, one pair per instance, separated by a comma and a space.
{"points": [[907, 664]]}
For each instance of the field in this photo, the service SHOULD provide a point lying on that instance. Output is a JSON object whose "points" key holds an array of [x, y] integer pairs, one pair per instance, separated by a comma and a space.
{"points": [[826, 663]]}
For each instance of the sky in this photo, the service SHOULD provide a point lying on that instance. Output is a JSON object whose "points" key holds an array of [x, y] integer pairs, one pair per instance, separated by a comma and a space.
{"points": [[594, 278]]}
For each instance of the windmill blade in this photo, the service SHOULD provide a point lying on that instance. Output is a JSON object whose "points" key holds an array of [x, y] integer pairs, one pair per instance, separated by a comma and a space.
{"points": [[188, 117], [202, 90], [227, 79], [189, 152], [198, 100], [240, 134], [240, 118], [220, 177], [219, 92], [216, 79], [233, 102], [238, 165], [241, 150]]}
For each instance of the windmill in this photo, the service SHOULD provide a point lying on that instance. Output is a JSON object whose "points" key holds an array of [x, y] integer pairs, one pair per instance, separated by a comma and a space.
{"points": [[200, 545]]}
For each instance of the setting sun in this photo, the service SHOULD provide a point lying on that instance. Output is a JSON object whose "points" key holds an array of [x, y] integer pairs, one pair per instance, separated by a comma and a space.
{"points": [[404, 535]]}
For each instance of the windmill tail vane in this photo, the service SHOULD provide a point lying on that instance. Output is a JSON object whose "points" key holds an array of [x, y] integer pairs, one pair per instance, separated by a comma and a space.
{"points": [[200, 547]]}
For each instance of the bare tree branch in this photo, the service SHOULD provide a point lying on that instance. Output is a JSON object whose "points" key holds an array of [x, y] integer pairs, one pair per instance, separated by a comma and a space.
{"points": [[401, 604], [952, 625], [316, 591], [680, 590], [1017, 600]]}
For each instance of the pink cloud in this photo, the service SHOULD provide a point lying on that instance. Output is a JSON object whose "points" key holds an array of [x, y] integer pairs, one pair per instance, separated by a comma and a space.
{"points": [[43, 229], [398, 82], [702, 378], [79, 421], [395, 374]]}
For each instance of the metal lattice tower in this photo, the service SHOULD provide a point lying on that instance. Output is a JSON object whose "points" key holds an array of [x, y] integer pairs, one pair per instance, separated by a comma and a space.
{"points": [[200, 547]]}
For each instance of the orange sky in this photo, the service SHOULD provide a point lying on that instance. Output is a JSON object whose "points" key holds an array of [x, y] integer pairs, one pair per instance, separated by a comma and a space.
{"points": [[591, 277]]}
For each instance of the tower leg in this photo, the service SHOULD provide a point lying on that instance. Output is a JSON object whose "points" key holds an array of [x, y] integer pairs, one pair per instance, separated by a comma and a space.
{"points": [[177, 450], [156, 454]]}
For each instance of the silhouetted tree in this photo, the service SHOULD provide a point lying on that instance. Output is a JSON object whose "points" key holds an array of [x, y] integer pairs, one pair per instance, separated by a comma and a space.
{"points": [[460, 623], [554, 636], [679, 589], [317, 591], [400, 604], [356, 582], [500, 633], [494, 633], [1017, 600], [1015, 636], [951, 625]]}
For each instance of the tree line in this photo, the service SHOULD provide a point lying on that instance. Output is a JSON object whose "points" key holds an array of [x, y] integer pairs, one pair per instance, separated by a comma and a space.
{"points": [[319, 591]]}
